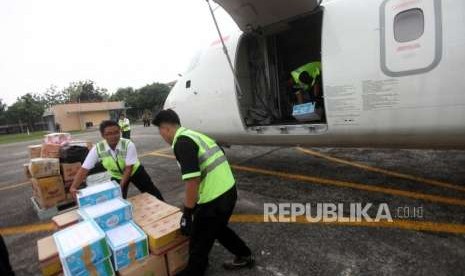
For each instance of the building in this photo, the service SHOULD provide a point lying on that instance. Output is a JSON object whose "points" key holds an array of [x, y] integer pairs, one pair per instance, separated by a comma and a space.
{"points": [[81, 116]]}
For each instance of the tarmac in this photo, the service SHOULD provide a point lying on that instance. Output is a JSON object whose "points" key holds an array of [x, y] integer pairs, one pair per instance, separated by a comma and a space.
{"points": [[424, 191]]}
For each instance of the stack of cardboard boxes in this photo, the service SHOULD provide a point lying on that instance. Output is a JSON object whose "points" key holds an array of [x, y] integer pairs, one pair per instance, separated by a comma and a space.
{"points": [[130, 228], [50, 179]]}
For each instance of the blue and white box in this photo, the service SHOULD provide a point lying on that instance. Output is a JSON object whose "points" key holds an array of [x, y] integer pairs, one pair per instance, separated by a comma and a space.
{"points": [[104, 268], [108, 214], [306, 112], [81, 246], [128, 243], [98, 193]]}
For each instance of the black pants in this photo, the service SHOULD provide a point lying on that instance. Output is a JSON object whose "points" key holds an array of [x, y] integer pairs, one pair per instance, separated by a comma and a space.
{"points": [[126, 134], [143, 182], [211, 223], [5, 267]]}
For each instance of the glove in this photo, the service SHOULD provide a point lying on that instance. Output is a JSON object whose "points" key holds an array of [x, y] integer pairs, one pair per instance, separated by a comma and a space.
{"points": [[186, 221]]}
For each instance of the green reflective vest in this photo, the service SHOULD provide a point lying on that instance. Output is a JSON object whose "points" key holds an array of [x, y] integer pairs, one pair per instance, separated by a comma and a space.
{"points": [[215, 172], [109, 163], [312, 68], [123, 125]]}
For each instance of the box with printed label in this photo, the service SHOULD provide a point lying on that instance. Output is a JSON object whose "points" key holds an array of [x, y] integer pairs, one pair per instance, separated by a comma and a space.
{"points": [[163, 232], [98, 193], [108, 214], [103, 268], [57, 138], [50, 151], [128, 243], [49, 261], [177, 258], [44, 167], [81, 246], [69, 170], [147, 209], [48, 191], [34, 151], [150, 266]]}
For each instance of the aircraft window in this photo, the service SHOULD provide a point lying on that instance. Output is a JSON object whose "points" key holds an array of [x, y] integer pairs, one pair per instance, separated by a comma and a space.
{"points": [[188, 84], [409, 25]]}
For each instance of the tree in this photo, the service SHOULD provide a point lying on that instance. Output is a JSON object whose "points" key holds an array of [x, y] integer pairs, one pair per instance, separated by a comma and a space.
{"points": [[52, 96], [3, 119], [27, 109], [85, 91]]}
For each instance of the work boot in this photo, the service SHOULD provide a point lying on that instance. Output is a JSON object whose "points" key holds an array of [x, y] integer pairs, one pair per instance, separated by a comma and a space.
{"points": [[239, 262]]}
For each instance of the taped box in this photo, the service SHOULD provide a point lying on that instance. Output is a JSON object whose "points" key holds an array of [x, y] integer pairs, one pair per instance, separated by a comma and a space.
{"points": [[83, 248], [69, 171], [128, 243], [49, 261], [108, 214], [48, 191], [177, 258], [27, 173], [44, 167], [150, 266], [66, 219], [50, 151], [34, 151], [57, 138], [147, 209], [163, 232], [98, 193]]}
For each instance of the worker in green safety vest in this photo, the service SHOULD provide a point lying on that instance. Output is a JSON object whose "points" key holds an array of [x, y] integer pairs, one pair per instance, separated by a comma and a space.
{"points": [[210, 195], [125, 126], [119, 157], [307, 79]]}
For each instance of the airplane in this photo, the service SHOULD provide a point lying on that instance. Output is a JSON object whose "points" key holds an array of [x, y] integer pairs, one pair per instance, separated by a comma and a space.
{"points": [[392, 74]]}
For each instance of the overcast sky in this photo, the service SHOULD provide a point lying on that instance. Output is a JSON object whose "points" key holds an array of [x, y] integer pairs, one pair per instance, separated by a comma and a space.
{"points": [[115, 43]]}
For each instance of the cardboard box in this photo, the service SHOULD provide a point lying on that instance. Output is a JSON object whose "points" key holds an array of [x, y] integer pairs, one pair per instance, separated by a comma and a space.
{"points": [[98, 193], [48, 191], [57, 138], [174, 243], [27, 173], [44, 167], [177, 258], [163, 232], [109, 214], [69, 171], [150, 266], [66, 219], [34, 151], [50, 151], [49, 261], [81, 247], [128, 243], [148, 209]]}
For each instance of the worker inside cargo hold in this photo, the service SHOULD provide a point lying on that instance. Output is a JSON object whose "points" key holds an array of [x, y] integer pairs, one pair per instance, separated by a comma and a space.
{"points": [[119, 157]]}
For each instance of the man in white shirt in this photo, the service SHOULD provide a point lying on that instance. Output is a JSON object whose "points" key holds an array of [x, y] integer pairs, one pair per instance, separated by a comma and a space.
{"points": [[119, 158], [125, 126]]}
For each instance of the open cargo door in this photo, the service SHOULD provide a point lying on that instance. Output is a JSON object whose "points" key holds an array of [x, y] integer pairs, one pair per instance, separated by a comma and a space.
{"points": [[252, 14]]}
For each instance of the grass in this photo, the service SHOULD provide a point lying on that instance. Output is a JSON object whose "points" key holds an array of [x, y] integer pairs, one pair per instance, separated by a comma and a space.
{"points": [[20, 137]]}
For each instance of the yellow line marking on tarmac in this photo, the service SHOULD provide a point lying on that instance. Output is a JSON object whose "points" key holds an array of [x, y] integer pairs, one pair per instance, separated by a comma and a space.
{"points": [[429, 226], [383, 171], [450, 228], [345, 184], [13, 186], [25, 229], [156, 151]]}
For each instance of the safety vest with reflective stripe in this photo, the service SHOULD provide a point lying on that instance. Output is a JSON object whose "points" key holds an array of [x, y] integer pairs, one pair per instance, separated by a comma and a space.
{"points": [[124, 125], [312, 68], [215, 172], [109, 163]]}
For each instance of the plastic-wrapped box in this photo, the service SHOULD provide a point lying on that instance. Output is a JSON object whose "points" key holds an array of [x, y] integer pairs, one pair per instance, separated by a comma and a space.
{"points": [[98, 193], [128, 243], [44, 167], [57, 138], [108, 214], [81, 247], [306, 112], [103, 268]]}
